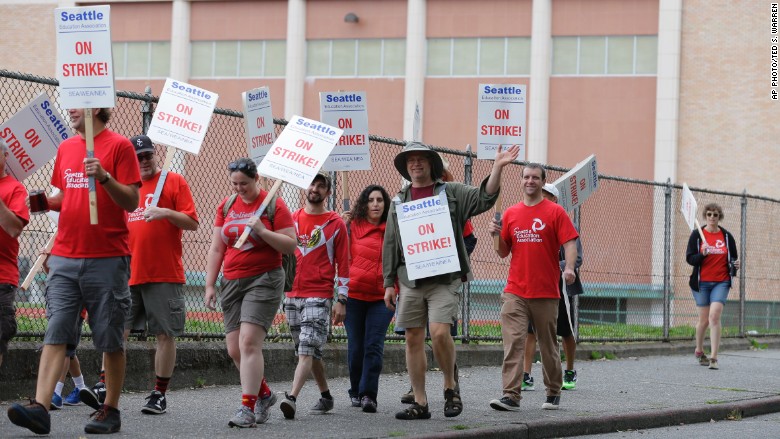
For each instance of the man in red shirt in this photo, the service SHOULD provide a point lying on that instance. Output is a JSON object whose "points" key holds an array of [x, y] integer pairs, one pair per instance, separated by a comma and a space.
{"points": [[13, 217], [89, 266], [156, 269], [322, 254], [533, 231]]}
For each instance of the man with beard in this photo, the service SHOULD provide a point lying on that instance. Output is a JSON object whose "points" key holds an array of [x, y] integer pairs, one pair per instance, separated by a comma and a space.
{"points": [[322, 253]]}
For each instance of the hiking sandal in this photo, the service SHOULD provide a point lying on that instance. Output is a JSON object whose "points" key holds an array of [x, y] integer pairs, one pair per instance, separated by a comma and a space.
{"points": [[453, 405], [415, 411]]}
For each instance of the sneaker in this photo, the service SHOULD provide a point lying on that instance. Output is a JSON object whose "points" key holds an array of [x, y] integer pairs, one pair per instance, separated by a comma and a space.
{"points": [[32, 416], [528, 382], [702, 359], [368, 404], [56, 402], [95, 396], [415, 411], [505, 404], [156, 403], [354, 400], [244, 418], [323, 406], [714, 363], [552, 402], [288, 406], [262, 408], [569, 380], [73, 397], [408, 397], [104, 421]]}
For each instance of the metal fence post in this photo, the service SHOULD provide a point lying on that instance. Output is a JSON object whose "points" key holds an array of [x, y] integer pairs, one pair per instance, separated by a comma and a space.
{"points": [[742, 250], [466, 327], [667, 256], [146, 110]]}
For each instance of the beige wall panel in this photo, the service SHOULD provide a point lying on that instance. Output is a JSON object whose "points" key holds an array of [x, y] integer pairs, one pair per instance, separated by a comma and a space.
{"points": [[486, 18], [141, 21], [237, 20], [28, 38], [383, 19], [605, 17]]}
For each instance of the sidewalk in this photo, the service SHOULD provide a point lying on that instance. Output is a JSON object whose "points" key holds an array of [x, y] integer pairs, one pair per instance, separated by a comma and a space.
{"points": [[629, 392]]}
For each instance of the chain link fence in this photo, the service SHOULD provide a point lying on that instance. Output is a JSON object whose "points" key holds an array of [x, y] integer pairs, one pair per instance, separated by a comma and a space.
{"points": [[634, 271]]}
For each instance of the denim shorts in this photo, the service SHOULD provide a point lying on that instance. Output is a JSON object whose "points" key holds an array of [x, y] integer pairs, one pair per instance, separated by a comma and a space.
{"points": [[710, 292]]}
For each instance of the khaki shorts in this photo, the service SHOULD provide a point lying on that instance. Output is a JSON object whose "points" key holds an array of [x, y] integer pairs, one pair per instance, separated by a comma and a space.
{"points": [[158, 306], [253, 299], [436, 303]]}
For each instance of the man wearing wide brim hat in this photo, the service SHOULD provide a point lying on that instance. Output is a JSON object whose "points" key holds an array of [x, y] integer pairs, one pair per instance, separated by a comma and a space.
{"points": [[433, 300]]}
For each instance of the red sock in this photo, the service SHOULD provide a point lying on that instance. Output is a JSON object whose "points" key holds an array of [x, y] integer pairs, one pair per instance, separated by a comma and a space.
{"points": [[161, 384], [102, 378], [248, 400], [265, 391]]}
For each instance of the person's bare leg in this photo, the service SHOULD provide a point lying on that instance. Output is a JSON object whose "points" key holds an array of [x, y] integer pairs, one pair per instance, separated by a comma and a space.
{"points": [[252, 362], [318, 371], [701, 327], [49, 371], [417, 363], [716, 309], [570, 350], [115, 376], [444, 351], [302, 372], [165, 356]]}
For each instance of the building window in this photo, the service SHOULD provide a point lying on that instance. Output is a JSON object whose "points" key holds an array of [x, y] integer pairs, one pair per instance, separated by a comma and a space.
{"points": [[479, 56], [142, 59], [610, 55], [238, 59], [350, 58]]}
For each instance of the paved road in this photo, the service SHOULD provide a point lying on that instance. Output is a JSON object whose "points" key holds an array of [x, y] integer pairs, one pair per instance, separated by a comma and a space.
{"points": [[651, 389]]}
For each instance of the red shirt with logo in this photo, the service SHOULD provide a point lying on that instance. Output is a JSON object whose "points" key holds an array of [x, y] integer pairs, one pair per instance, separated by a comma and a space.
{"points": [[76, 237], [13, 195], [534, 235], [323, 250], [255, 257], [714, 268], [156, 246]]}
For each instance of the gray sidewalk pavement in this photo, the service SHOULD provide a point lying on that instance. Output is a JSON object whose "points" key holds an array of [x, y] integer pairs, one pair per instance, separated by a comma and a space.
{"points": [[611, 395]]}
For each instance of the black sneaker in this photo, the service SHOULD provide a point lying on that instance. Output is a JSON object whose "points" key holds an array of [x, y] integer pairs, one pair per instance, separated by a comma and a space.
{"points": [[528, 382], [505, 404], [32, 416], [104, 421], [288, 406], [368, 404], [156, 404], [415, 411], [94, 397], [552, 402], [408, 397]]}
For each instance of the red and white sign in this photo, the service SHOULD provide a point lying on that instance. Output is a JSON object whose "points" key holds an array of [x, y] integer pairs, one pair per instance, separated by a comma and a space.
{"points": [[501, 118], [577, 185], [33, 135], [688, 207], [300, 151], [259, 122], [85, 66], [427, 237], [348, 111], [182, 116]]}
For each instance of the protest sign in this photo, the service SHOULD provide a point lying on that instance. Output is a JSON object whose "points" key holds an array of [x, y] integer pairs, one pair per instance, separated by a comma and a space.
{"points": [[182, 116], [578, 184], [501, 118], [688, 207], [348, 111], [33, 135], [85, 67], [299, 152], [259, 122], [427, 237]]}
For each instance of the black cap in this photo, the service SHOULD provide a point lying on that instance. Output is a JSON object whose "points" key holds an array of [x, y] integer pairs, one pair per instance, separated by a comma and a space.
{"points": [[142, 144]]}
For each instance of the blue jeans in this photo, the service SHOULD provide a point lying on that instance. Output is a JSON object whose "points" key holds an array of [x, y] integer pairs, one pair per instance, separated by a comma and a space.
{"points": [[366, 325], [710, 292]]}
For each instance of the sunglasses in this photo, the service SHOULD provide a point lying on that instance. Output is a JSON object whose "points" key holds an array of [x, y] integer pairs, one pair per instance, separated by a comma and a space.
{"points": [[713, 214], [145, 156], [239, 166]]}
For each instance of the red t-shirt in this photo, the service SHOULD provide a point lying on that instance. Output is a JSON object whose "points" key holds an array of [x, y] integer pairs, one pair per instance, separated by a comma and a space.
{"points": [[714, 268], [535, 235], [13, 195], [156, 245], [255, 257], [76, 237], [322, 255]]}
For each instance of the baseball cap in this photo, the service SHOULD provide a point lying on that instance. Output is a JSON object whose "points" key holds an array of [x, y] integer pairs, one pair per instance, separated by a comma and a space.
{"points": [[322, 175], [142, 144], [551, 189]]}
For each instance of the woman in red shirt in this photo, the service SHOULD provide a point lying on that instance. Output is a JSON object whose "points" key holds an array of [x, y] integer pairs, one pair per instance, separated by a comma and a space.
{"points": [[367, 316], [714, 263]]}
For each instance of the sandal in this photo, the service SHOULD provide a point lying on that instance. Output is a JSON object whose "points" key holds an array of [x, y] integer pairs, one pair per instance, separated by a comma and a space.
{"points": [[415, 411], [453, 405]]}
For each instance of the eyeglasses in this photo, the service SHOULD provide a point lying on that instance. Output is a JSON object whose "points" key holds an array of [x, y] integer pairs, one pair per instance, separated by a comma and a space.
{"points": [[146, 156], [713, 214]]}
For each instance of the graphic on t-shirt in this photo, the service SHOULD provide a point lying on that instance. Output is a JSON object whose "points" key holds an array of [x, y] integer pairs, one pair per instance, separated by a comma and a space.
{"points": [[538, 225], [138, 214], [718, 249], [234, 227], [530, 235], [75, 180]]}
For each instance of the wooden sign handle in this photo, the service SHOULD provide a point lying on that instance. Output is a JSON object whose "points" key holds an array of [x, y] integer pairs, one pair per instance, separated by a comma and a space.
{"points": [[497, 238], [242, 239], [90, 138], [345, 181], [701, 234], [38, 263]]}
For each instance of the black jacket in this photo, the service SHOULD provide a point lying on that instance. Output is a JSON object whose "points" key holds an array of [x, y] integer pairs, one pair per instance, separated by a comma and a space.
{"points": [[694, 257]]}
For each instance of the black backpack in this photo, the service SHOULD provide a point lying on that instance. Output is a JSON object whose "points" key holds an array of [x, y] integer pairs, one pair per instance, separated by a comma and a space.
{"points": [[289, 262]]}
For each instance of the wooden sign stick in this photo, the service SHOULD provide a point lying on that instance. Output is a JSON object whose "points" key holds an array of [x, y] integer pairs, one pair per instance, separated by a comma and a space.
{"points": [[497, 238], [275, 188], [169, 155], [38, 263], [701, 234], [90, 134]]}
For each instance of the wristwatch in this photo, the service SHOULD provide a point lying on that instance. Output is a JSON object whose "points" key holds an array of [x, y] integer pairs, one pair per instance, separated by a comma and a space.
{"points": [[342, 299], [105, 180]]}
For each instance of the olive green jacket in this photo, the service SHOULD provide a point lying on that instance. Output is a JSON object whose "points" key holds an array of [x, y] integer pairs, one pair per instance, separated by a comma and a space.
{"points": [[464, 202]]}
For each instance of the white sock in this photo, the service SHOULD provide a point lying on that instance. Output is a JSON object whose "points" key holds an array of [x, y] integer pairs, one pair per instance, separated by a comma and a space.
{"points": [[58, 388], [79, 382]]}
